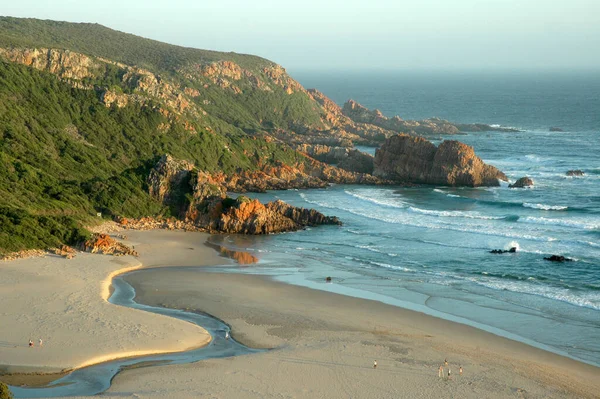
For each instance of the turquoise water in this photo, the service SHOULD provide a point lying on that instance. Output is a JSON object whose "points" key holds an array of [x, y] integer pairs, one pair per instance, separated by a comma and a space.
{"points": [[428, 248]]}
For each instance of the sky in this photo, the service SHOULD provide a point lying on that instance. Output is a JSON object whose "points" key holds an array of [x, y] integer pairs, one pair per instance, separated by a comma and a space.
{"points": [[355, 35]]}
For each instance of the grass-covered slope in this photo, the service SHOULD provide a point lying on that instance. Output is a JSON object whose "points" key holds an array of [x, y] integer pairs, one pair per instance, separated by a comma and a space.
{"points": [[98, 40], [85, 111], [258, 100], [65, 155]]}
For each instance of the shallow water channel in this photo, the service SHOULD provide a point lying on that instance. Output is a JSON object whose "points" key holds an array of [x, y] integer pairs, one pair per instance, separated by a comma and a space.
{"points": [[97, 378]]}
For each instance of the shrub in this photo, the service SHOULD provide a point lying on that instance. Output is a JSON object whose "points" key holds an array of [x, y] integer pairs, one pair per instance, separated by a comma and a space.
{"points": [[4, 391]]}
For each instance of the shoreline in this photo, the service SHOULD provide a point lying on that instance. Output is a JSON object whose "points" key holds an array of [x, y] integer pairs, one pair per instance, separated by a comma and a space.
{"points": [[259, 323], [42, 365], [235, 290]]}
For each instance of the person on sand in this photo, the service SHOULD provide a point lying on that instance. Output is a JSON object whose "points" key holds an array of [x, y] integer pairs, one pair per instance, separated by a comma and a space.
{"points": [[460, 370], [449, 374], [40, 342], [30, 343], [226, 334], [441, 372], [375, 364], [446, 362]]}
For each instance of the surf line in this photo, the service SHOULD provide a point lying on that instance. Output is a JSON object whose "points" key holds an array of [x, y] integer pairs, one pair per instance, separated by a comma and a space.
{"points": [[96, 378]]}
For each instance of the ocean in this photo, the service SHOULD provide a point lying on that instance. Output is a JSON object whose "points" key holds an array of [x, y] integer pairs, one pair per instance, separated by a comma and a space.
{"points": [[427, 248]]}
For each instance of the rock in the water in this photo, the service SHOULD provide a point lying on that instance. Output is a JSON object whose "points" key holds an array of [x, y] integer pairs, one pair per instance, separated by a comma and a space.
{"points": [[576, 172], [302, 216], [558, 258], [503, 251], [522, 183], [556, 129], [410, 159]]}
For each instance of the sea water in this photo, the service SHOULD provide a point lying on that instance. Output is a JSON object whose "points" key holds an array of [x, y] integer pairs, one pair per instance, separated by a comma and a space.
{"points": [[427, 248]]}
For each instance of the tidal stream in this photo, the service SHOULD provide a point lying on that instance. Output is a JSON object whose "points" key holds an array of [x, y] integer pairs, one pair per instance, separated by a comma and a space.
{"points": [[97, 378]]}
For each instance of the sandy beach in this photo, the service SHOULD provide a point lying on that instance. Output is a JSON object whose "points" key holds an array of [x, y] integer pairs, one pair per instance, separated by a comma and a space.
{"points": [[64, 302], [325, 344]]}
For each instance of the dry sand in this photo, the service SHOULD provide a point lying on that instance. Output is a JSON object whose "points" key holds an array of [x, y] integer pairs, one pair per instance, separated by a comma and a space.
{"points": [[326, 343], [64, 303]]}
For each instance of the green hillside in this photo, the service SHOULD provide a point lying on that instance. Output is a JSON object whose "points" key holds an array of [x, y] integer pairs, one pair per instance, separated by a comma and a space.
{"points": [[65, 153], [98, 40]]}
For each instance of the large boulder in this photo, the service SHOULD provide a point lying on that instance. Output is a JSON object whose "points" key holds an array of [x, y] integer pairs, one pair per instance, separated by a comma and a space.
{"points": [[411, 159], [523, 182]]}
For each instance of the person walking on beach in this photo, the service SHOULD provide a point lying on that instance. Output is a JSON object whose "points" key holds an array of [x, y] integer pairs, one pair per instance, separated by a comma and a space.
{"points": [[460, 370], [226, 334], [30, 343], [40, 342], [441, 372], [446, 362], [449, 372], [375, 364]]}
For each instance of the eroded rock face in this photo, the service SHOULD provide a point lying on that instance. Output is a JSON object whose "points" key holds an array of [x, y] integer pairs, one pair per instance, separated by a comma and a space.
{"points": [[167, 176], [345, 158], [211, 210], [302, 216], [410, 159], [522, 183]]}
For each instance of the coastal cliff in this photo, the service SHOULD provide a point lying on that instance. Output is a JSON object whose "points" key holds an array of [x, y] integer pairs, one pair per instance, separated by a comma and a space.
{"points": [[410, 159], [207, 207], [86, 112]]}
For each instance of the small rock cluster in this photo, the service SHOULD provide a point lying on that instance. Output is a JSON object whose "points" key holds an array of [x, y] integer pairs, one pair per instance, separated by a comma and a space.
{"points": [[104, 244], [28, 253]]}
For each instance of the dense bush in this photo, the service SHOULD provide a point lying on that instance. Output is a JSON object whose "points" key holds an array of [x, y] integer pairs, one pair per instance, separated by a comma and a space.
{"points": [[4, 391], [64, 155]]}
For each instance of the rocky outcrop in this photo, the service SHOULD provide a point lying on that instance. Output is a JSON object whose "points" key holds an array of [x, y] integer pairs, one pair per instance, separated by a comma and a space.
{"points": [[25, 254], [348, 159], [576, 172], [504, 251], [410, 159], [309, 174], [209, 209], [523, 182], [432, 126], [167, 177], [302, 216], [65, 64], [104, 244], [558, 258]]}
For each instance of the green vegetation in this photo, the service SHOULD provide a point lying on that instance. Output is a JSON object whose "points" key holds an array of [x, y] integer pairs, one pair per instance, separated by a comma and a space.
{"points": [[64, 155], [4, 391], [95, 39]]}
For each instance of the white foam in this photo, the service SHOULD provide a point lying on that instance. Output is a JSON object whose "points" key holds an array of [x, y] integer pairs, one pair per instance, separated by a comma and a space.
{"points": [[545, 207], [387, 200], [588, 300], [469, 215], [388, 266], [513, 244], [578, 224], [437, 190], [421, 223]]}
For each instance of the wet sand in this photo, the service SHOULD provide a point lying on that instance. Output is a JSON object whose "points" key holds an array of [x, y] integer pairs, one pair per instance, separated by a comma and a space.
{"points": [[325, 343]]}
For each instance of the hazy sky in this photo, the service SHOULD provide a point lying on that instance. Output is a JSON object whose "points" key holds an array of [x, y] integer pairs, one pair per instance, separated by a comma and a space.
{"points": [[353, 34]]}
